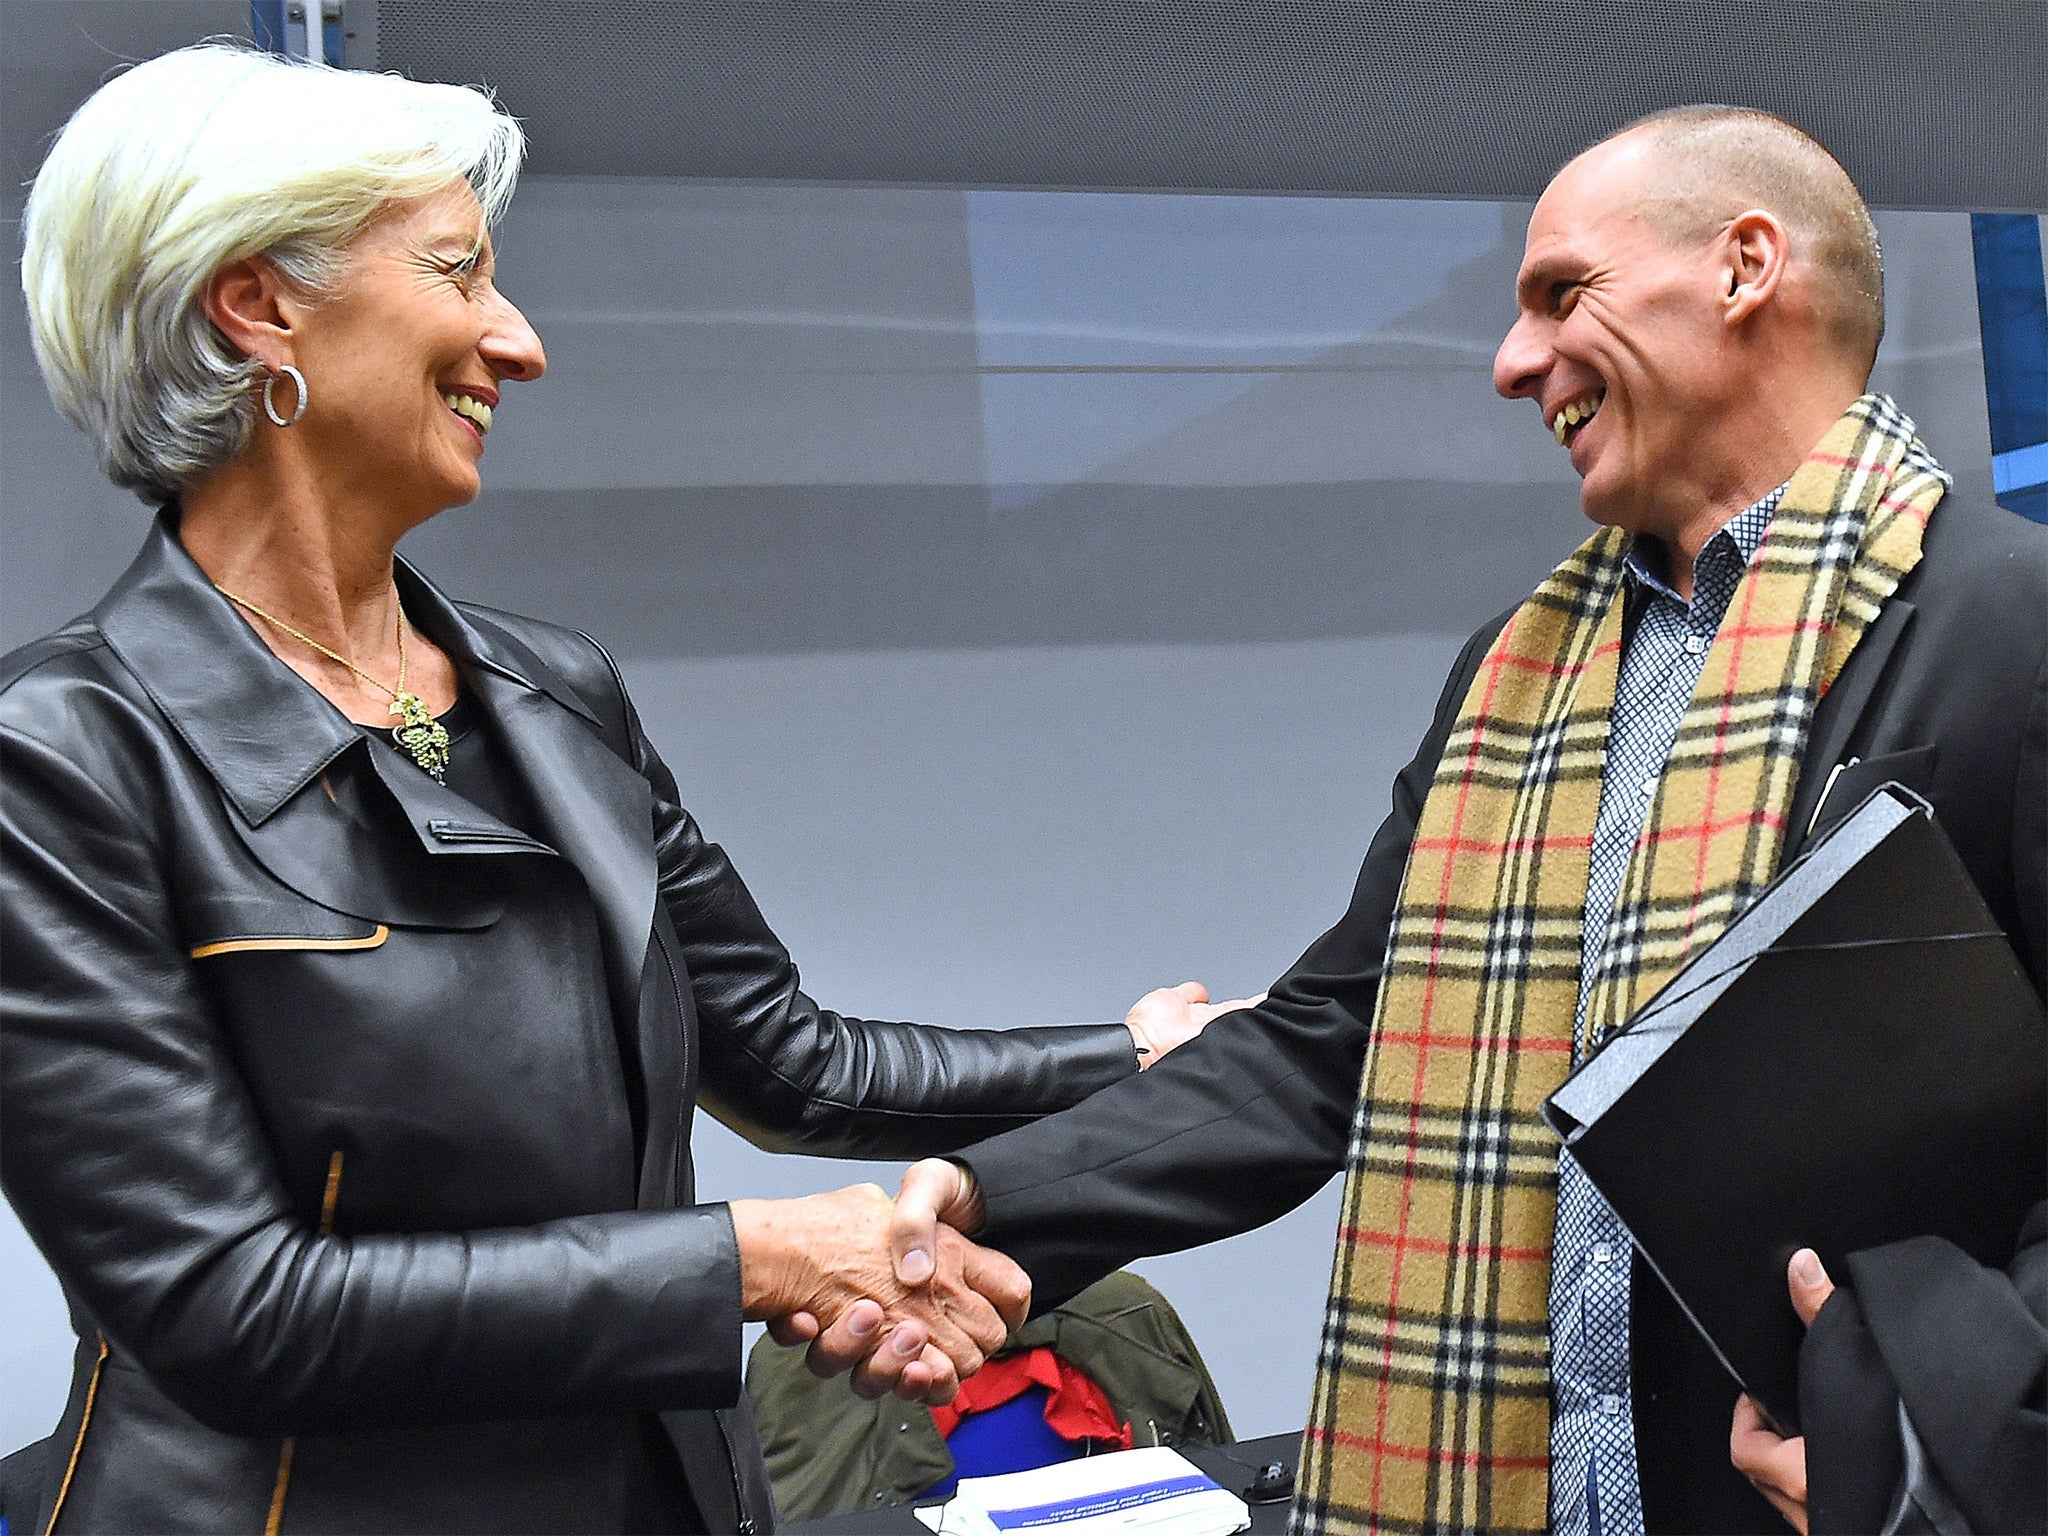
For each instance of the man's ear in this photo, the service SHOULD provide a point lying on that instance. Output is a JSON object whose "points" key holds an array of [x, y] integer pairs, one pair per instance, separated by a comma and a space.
{"points": [[250, 305], [1755, 252]]}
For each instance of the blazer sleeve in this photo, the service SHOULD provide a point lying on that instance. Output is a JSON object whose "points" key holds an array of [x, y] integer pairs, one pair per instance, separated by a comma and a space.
{"points": [[1238, 1126], [136, 1159], [1963, 1348], [792, 1076]]}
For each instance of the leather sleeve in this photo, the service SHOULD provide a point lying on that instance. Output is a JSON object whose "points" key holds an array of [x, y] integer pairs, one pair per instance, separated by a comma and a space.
{"points": [[1238, 1126], [135, 1158], [791, 1076]]}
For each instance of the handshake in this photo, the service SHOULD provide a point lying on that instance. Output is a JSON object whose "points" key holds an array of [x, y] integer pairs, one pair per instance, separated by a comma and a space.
{"points": [[890, 1290], [893, 1290]]}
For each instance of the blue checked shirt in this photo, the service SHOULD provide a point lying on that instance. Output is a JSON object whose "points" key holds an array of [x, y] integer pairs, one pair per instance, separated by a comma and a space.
{"points": [[1593, 1488]]}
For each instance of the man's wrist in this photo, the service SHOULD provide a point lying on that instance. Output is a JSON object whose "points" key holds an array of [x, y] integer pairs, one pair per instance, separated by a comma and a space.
{"points": [[968, 1203], [1146, 1051]]}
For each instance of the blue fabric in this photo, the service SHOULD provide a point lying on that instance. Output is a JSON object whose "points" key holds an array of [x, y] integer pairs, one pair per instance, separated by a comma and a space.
{"points": [[1593, 1487], [1011, 1438]]}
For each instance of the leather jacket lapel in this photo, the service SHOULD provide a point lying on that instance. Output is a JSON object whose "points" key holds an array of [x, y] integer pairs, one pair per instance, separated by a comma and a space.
{"points": [[595, 810], [315, 801], [599, 814]]}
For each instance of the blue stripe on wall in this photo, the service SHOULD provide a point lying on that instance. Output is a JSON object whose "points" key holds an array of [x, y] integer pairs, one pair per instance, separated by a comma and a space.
{"points": [[2012, 312], [266, 24], [2020, 470]]}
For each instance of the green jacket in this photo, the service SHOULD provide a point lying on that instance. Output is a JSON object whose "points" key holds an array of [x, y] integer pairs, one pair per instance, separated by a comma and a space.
{"points": [[830, 1453]]}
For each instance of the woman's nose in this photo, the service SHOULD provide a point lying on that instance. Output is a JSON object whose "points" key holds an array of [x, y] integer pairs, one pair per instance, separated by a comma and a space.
{"points": [[511, 346]]}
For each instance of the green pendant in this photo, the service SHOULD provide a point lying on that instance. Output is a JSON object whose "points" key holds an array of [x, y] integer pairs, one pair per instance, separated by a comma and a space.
{"points": [[422, 736]]}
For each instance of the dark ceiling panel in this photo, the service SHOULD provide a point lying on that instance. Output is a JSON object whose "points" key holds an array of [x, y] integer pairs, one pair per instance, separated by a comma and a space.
{"points": [[55, 53], [1930, 103]]}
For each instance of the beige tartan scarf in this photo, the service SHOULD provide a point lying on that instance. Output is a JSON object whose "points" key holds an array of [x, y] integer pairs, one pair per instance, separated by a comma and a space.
{"points": [[1432, 1398]]}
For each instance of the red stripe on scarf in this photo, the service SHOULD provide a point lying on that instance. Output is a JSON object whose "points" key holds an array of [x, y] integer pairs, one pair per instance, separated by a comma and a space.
{"points": [[1426, 1452], [1497, 850], [1418, 1037], [1438, 1245], [1694, 829]]}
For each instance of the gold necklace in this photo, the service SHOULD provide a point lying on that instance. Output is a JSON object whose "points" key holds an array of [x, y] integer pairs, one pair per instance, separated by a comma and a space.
{"points": [[424, 738]]}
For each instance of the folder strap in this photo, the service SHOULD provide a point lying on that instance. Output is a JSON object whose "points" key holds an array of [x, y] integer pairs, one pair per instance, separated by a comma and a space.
{"points": [[1432, 1401]]}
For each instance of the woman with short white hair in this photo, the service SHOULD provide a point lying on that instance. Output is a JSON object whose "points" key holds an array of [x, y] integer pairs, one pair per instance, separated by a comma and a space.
{"points": [[361, 968]]}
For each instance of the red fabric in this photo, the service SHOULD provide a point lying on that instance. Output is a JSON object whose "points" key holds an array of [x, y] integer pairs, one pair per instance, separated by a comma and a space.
{"points": [[1075, 1407]]}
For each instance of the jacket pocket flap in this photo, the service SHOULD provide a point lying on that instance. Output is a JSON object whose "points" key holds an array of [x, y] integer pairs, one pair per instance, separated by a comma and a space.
{"points": [[233, 927], [362, 861]]}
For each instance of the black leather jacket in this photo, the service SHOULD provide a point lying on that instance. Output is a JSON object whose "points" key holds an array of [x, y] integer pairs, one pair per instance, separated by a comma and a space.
{"points": [[374, 1212]]}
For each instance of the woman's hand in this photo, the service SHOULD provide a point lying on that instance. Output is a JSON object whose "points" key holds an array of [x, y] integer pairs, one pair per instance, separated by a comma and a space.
{"points": [[820, 1270], [1774, 1465], [1172, 1016]]}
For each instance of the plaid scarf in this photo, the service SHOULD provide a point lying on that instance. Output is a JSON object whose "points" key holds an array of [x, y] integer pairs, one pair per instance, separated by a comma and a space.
{"points": [[1432, 1398]]}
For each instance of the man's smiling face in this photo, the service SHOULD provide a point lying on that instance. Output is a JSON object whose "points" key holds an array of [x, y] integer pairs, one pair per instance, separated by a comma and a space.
{"points": [[1618, 340]]}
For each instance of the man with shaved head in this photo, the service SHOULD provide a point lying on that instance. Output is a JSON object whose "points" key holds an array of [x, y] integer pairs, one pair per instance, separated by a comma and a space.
{"points": [[1783, 606]]}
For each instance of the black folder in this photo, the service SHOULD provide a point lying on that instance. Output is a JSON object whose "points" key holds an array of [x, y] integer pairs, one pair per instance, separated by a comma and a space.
{"points": [[1859, 1058]]}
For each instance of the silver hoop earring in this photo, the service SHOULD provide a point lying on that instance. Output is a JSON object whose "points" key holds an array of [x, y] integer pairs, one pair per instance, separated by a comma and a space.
{"points": [[270, 406]]}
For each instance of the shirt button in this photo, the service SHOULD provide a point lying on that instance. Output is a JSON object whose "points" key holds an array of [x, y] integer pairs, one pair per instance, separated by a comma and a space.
{"points": [[1603, 1253], [1697, 644], [1650, 785], [1610, 1403]]}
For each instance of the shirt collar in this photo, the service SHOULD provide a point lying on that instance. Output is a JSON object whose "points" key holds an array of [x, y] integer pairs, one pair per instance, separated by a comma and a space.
{"points": [[1736, 540]]}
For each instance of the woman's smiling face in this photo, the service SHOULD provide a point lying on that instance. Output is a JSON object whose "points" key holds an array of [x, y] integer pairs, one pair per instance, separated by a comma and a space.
{"points": [[405, 358]]}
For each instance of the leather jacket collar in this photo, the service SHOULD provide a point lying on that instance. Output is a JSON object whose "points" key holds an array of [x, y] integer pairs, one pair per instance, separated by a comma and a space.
{"points": [[264, 736], [261, 732]]}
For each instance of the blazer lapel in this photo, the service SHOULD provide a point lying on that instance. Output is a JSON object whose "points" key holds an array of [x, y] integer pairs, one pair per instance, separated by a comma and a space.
{"points": [[1837, 716]]}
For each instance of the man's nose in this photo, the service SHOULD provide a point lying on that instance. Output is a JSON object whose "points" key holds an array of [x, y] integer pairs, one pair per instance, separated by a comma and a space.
{"points": [[512, 346], [1522, 361]]}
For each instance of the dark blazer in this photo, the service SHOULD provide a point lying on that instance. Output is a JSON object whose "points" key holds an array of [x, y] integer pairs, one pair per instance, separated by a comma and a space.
{"points": [[355, 1123], [1948, 691]]}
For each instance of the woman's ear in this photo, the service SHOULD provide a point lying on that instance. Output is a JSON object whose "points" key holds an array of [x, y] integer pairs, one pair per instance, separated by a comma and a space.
{"points": [[248, 303], [1756, 249]]}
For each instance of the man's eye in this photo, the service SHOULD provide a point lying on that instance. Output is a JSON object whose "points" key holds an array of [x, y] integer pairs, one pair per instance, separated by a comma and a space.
{"points": [[1562, 297]]}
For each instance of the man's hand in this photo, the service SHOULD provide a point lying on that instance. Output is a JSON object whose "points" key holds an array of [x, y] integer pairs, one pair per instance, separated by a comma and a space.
{"points": [[937, 1204], [1775, 1465], [935, 1192], [821, 1270], [876, 1371], [1173, 1016]]}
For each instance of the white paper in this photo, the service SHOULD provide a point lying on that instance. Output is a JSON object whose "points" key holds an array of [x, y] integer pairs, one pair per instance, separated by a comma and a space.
{"points": [[1149, 1492]]}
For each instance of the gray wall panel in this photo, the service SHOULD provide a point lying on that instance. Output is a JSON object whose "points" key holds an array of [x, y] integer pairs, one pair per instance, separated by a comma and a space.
{"points": [[995, 742]]}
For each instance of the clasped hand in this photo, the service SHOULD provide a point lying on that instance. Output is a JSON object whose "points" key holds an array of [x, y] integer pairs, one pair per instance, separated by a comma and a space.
{"points": [[896, 1292], [822, 1272]]}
